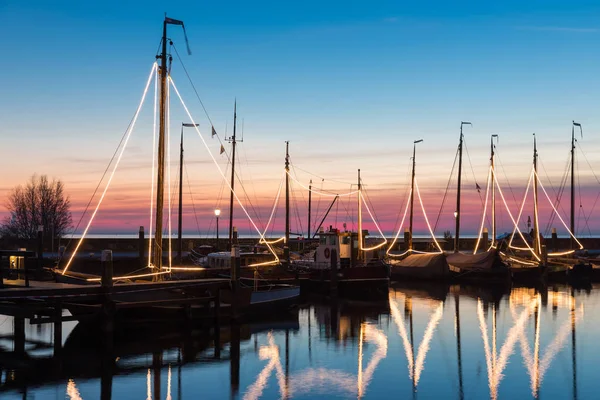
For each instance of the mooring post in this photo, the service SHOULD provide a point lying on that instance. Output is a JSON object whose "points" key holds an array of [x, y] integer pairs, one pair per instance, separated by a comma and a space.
{"points": [[485, 238], [107, 270], [235, 274], [108, 309], [544, 255], [141, 247], [554, 240], [334, 273], [406, 239]]}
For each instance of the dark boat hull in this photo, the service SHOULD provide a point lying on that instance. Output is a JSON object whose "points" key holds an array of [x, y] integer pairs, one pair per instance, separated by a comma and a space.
{"points": [[368, 282]]}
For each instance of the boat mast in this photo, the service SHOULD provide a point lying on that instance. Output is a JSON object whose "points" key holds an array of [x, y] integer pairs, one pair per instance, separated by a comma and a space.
{"points": [[536, 241], [179, 238], [493, 189], [286, 247], [572, 222], [457, 217], [233, 142], [412, 196], [360, 236], [160, 187], [179, 225], [309, 206]]}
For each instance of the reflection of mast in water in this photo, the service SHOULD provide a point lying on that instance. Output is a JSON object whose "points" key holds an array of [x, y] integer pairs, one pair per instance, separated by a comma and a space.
{"points": [[536, 365], [415, 364], [234, 359], [271, 353], [573, 344], [496, 363], [461, 393]]}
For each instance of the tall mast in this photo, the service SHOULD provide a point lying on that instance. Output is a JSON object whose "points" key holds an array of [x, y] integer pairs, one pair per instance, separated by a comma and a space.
{"points": [[412, 196], [457, 217], [572, 222], [162, 127], [536, 234], [286, 248], [309, 206], [179, 225], [160, 187], [493, 189], [360, 237], [179, 221], [233, 142]]}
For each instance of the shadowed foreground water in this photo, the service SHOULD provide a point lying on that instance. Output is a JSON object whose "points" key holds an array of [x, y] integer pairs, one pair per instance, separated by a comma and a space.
{"points": [[425, 342]]}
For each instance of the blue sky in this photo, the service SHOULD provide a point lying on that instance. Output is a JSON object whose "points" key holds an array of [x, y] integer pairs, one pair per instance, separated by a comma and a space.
{"points": [[350, 84]]}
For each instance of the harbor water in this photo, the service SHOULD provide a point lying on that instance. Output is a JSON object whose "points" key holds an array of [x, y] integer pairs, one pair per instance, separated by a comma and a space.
{"points": [[424, 342]]}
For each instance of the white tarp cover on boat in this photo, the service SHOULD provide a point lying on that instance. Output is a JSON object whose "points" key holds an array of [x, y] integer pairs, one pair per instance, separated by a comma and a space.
{"points": [[483, 260]]}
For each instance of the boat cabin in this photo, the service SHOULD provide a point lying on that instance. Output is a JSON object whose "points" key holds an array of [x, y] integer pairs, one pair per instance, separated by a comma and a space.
{"points": [[343, 245]]}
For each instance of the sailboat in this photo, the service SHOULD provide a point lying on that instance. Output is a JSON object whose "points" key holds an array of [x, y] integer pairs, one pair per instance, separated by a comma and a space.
{"points": [[410, 264], [343, 265], [485, 266]]}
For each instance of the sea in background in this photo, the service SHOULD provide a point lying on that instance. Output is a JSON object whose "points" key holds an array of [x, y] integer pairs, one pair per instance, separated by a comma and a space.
{"points": [[425, 342]]}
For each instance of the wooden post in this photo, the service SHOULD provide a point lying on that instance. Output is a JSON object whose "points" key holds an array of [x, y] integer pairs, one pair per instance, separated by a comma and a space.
{"points": [[554, 240], [107, 270], [406, 239], [485, 239], [141, 247]]}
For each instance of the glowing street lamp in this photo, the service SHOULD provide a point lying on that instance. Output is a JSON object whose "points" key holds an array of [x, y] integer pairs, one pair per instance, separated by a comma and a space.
{"points": [[217, 213]]}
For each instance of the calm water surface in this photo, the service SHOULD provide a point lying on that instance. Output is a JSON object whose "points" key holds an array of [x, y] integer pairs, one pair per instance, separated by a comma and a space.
{"points": [[426, 342]]}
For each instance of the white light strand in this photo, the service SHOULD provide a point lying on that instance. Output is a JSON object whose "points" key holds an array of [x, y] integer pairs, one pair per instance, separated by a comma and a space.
{"points": [[516, 227], [128, 136], [273, 212], [376, 225], [559, 217], [400, 228], [487, 191], [220, 170], [426, 219]]}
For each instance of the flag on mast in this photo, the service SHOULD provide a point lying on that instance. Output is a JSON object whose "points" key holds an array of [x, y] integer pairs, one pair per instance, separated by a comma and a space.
{"points": [[222, 150], [214, 133]]}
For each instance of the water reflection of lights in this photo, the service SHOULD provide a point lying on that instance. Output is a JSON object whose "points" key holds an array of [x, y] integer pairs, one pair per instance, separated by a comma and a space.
{"points": [[537, 367], [149, 385], [319, 380], [72, 391], [497, 363], [415, 366], [169, 384], [271, 353]]}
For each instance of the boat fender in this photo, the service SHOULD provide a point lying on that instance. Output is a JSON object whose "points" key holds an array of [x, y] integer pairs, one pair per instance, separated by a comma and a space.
{"points": [[326, 253]]}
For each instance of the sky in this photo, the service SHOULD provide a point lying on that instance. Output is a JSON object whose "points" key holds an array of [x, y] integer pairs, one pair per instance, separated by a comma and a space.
{"points": [[349, 84]]}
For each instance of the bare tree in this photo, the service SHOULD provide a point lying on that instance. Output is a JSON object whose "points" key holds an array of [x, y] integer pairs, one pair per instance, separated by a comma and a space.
{"points": [[40, 202]]}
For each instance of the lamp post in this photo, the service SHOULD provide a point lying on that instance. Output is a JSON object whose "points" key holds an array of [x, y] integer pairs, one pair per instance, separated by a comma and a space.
{"points": [[217, 213]]}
